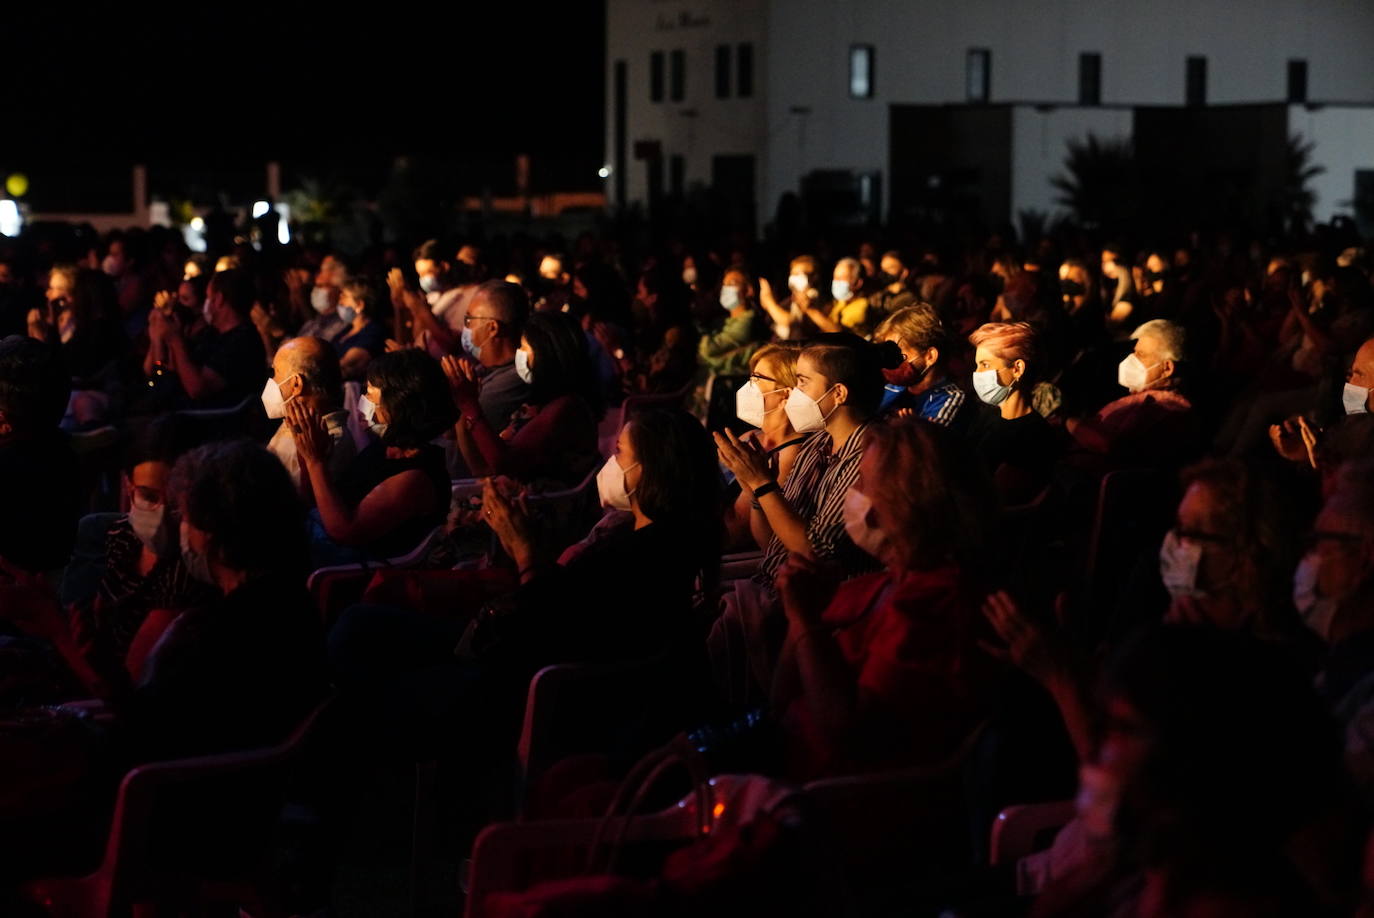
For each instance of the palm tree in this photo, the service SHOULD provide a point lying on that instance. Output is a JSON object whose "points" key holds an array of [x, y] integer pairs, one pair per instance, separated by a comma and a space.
{"points": [[1101, 184], [1296, 196]]}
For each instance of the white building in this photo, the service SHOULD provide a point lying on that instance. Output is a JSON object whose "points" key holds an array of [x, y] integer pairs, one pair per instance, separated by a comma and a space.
{"points": [[758, 94]]}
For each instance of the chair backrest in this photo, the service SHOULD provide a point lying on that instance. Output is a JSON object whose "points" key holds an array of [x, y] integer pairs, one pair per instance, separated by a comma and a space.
{"points": [[577, 708], [412, 558], [214, 789], [1134, 507], [244, 419], [1019, 831]]}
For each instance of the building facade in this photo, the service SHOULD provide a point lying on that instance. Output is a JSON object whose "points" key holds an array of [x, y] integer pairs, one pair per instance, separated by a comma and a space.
{"points": [[769, 95]]}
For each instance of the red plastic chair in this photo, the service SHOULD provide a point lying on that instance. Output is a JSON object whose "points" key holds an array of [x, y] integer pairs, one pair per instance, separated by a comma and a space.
{"points": [[132, 873]]}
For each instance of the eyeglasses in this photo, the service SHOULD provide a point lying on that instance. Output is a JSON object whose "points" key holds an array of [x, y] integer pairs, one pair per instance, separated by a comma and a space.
{"points": [[469, 318], [145, 498]]}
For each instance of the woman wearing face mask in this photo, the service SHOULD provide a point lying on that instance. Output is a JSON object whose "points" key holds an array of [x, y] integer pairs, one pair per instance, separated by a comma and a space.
{"points": [[762, 403], [397, 489], [884, 670], [1016, 444], [552, 438], [789, 314], [921, 386], [637, 567], [361, 305]]}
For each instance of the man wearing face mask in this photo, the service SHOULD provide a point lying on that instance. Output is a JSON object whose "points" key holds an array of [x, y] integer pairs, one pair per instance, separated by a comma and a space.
{"points": [[436, 312], [307, 369], [555, 284], [848, 309], [491, 335], [325, 321], [226, 365], [921, 387], [1153, 423], [789, 315], [891, 292], [1333, 586]]}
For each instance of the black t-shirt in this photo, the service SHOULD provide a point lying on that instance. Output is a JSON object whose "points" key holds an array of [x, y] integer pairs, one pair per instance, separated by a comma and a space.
{"points": [[39, 500], [1020, 453], [372, 467], [237, 356]]}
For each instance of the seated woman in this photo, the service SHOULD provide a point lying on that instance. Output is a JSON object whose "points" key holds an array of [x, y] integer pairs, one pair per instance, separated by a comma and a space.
{"points": [[884, 670], [838, 388], [640, 565], [82, 316], [1016, 444], [397, 489], [127, 568], [552, 438], [362, 304], [762, 402], [728, 341]]}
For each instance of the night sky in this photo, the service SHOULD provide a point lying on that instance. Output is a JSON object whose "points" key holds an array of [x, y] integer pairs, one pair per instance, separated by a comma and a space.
{"points": [[222, 87]]}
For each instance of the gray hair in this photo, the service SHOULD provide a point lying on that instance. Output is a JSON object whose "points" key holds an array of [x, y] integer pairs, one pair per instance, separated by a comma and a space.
{"points": [[855, 269], [1169, 335]]}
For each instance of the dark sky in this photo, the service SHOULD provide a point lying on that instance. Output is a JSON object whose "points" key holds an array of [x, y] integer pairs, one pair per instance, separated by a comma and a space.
{"points": [[225, 85]]}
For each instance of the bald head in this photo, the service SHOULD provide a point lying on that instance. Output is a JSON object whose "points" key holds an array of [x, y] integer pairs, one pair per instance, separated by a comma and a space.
{"points": [[309, 367]]}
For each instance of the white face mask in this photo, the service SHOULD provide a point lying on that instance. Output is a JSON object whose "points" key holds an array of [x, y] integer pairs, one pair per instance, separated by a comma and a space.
{"points": [[1179, 560], [689, 276], [522, 366], [368, 411], [861, 532], [148, 526], [112, 265], [272, 402], [610, 485], [1131, 374], [798, 282], [839, 289], [729, 297], [429, 283], [805, 412], [750, 404], [1355, 399], [474, 350], [208, 311], [1317, 611], [320, 301], [197, 563], [988, 388], [347, 313]]}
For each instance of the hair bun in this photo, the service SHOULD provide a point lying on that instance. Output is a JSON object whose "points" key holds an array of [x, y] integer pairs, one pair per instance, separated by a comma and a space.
{"points": [[888, 354]]}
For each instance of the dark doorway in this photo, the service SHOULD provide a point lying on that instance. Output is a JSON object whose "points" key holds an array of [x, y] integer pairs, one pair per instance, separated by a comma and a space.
{"points": [[732, 186]]}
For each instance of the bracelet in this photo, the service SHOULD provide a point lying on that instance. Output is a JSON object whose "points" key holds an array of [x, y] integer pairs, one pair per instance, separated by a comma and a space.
{"points": [[766, 488]]}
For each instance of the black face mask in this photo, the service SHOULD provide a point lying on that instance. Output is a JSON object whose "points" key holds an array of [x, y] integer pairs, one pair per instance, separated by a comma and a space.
{"points": [[1071, 288], [1153, 276], [998, 283], [882, 279]]}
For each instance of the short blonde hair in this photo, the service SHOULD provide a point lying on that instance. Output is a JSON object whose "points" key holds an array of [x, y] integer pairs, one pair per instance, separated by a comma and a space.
{"points": [[783, 356], [915, 326]]}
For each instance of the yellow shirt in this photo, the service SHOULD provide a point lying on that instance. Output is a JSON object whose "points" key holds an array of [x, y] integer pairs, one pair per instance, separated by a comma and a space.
{"points": [[853, 315]]}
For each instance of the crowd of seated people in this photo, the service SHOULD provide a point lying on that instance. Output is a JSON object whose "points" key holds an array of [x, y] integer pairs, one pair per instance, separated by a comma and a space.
{"points": [[1091, 520]]}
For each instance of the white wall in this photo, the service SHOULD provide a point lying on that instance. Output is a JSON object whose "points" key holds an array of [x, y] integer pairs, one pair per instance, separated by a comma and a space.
{"points": [[1039, 143], [1344, 139], [635, 29]]}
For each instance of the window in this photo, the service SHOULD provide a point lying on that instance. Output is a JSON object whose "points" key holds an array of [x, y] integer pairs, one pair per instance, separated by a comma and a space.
{"points": [[744, 79], [1297, 80], [656, 76], [722, 71], [1196, 83], [978, 74], [1090, 79], [860, 71], [677, 79]]}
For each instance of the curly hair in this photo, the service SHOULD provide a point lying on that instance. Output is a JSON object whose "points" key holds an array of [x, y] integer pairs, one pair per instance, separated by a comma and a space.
{"points": [[415, 396], [240, 494]]}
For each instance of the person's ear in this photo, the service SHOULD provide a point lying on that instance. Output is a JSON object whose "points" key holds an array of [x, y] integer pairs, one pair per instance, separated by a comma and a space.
{"points": [[1169, 368], [1018, 367], [932, 356], [841, 394]]}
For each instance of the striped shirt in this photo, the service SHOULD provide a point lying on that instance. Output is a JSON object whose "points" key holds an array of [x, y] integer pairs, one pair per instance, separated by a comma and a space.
{"points": [[815, 491], [939, 404]]}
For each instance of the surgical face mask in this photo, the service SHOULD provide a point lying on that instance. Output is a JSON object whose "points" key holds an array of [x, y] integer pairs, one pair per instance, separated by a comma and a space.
{"points": [[197, 563], [689, 276], [272, 402], [112, 265], [839, 289], [1132, 374], [207, 310], [1317, 611], [319, 300], [522, 366], [610, 485], [369, 411], [861, 532], [1355, 399], [729, 297], [148, 526], [348, 313], [1179, 560], [750, 404], [798, 283], [429, 283], [988, 389], [473, 349], [804, 412]]}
